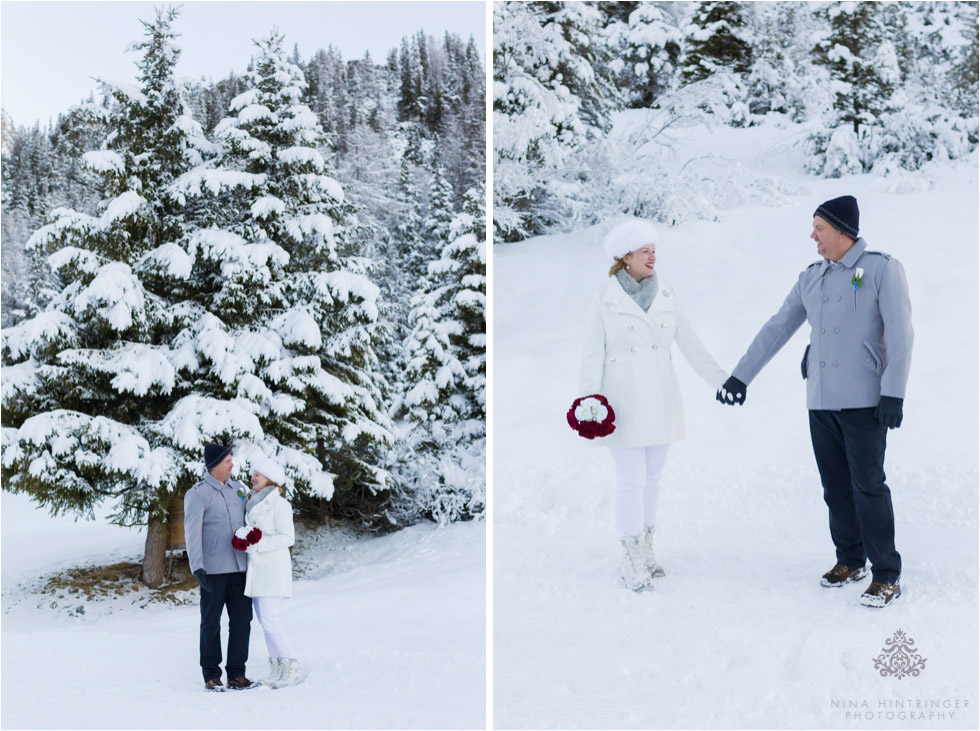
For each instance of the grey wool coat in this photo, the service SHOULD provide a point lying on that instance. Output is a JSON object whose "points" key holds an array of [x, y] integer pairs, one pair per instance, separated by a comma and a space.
{"points": [[860, 337], [212, 513]]}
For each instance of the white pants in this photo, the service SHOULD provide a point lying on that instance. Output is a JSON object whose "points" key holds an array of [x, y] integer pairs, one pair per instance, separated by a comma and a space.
{"points": [[267, 612], [638, 471]]}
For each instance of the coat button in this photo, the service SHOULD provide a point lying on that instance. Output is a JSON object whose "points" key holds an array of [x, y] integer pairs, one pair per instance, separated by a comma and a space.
{"points": [[632, 350], [838, 298], [822, 364], [826, 299], [666, 293], [822, 331], [834, 364], [836, 329], [663, 324], [655, 347], [629, 327]]}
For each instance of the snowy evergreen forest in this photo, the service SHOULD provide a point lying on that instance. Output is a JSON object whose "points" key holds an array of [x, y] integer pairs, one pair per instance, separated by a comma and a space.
{"points": [[875, 87], [290, 261]]}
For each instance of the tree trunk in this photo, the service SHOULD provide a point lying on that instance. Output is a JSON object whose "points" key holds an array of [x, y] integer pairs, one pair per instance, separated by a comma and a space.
{"points": [[155, 554]]}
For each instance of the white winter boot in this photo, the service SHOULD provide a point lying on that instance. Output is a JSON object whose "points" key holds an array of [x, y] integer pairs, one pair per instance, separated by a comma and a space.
{"points": [[290, 672], [276, 668], [634, 569], [653, 566]]}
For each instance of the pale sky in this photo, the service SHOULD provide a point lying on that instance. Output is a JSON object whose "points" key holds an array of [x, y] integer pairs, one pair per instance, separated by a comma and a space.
{"points": [[50, 50]]}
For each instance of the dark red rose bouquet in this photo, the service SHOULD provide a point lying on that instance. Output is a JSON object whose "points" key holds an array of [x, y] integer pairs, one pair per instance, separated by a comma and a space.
{"points": [[592, 416], [245, 537]]}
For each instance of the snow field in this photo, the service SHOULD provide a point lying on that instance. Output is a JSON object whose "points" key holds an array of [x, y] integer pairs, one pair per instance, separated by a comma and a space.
{"points": [[391, 631], [739, 634]]}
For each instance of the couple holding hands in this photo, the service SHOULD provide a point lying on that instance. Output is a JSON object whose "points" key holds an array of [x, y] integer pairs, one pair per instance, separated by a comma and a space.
{"points": [[856, 369]]}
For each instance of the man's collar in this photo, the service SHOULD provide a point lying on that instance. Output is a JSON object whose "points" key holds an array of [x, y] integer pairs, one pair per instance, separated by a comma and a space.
{"points": [[854, 253], [849, 259], [213, 481]]}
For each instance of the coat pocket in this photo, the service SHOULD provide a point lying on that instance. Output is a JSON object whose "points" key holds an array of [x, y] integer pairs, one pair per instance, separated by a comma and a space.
{"points": [[213, 545], [806, 354], [874, 357]]}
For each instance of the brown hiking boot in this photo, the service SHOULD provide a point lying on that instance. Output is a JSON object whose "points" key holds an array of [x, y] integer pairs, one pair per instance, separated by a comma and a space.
{"points": [[880, 594], [841, 574], [241, 683], [214, 684]]}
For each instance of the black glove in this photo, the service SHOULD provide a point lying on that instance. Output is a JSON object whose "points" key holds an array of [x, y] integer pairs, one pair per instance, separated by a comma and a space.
{"points": [[733, 392], [889, 412], [203, 580]]}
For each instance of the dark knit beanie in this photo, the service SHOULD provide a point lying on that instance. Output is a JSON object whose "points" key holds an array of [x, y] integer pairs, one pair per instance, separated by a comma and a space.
{"points": [[213, 454], [841, 213]]}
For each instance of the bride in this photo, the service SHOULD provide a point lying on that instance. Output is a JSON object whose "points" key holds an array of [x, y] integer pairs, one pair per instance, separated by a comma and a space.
{"points": [[632, 324], [269, 576]]}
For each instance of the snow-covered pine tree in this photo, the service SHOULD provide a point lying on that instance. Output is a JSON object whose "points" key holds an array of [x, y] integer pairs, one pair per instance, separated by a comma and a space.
{"points": [[440, 214], [433, 375], [414, 254], [43, 170], [461, 135], [369, 166], [647, 47], [549, 105], [29, 195], [444, 384], [715, 42], [473, 103], [94, 406], [462, 297], [294, 325], [411, 104], [80, 129], [783, 77], [965, 76], [464, 261], [862, 63]]}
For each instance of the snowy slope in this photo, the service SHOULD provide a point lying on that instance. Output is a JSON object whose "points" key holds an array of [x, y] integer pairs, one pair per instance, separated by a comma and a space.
{"points": [[391, 629], [739, 634]]}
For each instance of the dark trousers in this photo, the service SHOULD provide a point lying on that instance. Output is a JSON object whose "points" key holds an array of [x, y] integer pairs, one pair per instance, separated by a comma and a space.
{"points": [[850, 449], [227, 590]]}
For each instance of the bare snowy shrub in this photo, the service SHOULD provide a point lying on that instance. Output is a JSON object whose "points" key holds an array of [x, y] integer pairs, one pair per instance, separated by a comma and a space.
{"points": [[634, 172]]}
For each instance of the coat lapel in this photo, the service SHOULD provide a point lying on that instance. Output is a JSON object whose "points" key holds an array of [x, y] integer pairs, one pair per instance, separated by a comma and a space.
{"points": [[619, 301]]}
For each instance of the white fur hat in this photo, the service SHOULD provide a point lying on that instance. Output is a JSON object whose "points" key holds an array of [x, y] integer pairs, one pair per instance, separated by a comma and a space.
{"points": [[266, 467], [629, 236]]}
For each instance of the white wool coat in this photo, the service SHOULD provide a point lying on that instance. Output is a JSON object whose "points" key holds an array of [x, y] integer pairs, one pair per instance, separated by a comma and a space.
{"points": [[627, 358], [270, 568]]}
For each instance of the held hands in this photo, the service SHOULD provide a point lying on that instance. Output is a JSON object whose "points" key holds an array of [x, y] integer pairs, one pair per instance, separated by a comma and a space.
{"points": [[733, 392], [889, 412]]}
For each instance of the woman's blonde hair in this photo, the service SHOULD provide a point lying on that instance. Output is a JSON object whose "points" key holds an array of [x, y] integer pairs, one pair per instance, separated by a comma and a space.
{"points": [[616, 268], [270, 483]]}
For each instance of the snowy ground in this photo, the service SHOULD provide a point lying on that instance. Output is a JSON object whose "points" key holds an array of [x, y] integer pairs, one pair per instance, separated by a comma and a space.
{"points": [[739, 634], [392, 631]]}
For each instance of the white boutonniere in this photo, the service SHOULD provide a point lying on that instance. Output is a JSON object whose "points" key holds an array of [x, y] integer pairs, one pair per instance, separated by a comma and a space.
{"points": [[857, 280]]}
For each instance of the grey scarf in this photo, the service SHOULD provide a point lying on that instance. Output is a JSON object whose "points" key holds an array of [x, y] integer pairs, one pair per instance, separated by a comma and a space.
{"points": [[643, 292], [258, 497]]}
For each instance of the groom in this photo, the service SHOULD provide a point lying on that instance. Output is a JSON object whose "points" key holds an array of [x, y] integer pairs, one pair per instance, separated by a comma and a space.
{"points": [[856, 368], [213, 511]]}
